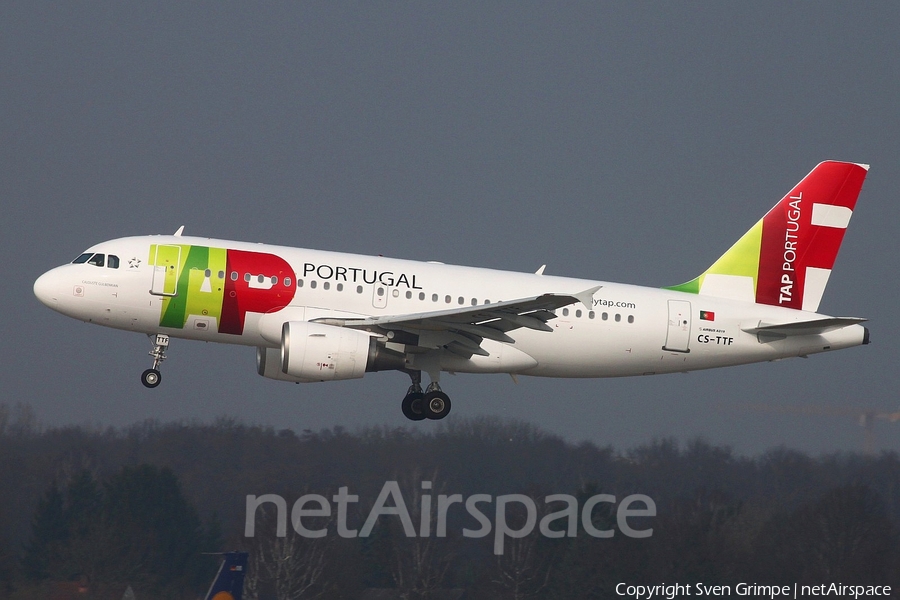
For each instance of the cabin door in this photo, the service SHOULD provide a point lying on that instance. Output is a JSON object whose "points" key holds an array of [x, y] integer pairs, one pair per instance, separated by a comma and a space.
{"points": [[166, 262], [678, 335]]}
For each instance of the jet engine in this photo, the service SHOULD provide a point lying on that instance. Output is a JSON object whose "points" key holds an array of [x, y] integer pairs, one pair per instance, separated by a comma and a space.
{"points": [[316, 352], [323, 352]]}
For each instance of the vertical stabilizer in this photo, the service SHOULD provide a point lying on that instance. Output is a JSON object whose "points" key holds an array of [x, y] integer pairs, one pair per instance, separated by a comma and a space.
{"points": [[787, 256], [229, 582]]}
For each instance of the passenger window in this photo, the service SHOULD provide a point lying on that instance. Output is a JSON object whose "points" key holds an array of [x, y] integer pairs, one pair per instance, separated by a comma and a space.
{"points": [[326, 286], [565, 312], [474, 301], [591, 315], [604, 316], [421, 295], [260, 278], [618, 318], [340, 287], [312, 284], [234, 276], [221, 274], [359, 289], [395, 293], [274, 281], [247, 277], [380, 292], [578, 313], [299, 283], [461, 301], [82, 259], [631, 318], [97, 260], [112, 262], [447, 299], [434, 297], [287, 282], [408, 295], [206, 273]]}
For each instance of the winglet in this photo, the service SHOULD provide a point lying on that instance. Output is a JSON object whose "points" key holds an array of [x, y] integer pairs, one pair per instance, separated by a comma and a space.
{"points": [[180, 231], [587, 296], [541, 270]]}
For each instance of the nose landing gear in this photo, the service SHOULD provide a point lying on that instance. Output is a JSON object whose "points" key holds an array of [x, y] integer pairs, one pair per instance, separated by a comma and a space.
{"points": [[152, 377]]}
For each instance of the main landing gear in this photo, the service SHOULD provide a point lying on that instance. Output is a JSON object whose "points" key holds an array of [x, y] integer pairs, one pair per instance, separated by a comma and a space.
{"points": [[431, 404], [152, 377]]}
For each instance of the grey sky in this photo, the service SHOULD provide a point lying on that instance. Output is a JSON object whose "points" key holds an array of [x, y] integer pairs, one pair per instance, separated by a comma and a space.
{"points": [[618, 141]]}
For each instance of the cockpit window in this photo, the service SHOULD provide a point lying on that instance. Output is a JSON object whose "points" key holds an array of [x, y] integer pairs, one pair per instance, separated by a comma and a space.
{"points": [[98, 260]]}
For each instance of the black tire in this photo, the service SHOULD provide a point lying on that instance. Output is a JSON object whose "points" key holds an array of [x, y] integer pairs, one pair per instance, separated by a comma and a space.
{"points": [[436, 405], [151, 378], [413, 407]]}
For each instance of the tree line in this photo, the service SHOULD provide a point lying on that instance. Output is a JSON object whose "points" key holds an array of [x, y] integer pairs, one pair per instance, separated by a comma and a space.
{"points": [[140, 505]]}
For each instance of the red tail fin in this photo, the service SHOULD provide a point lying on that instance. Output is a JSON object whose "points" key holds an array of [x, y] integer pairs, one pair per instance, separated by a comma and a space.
{"points": [[802, 234], [786, 258]]}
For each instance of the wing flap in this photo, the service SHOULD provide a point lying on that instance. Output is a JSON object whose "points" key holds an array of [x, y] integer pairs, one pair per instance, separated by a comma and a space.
{"points": [[469, 326]]}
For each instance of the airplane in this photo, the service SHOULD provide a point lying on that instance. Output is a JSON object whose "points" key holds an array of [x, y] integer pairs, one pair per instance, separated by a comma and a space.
{"points": [[322, 316], [229, 581]]}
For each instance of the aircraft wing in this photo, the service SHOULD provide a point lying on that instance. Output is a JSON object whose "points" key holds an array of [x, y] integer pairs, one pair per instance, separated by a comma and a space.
{"points": [[466, 327]]}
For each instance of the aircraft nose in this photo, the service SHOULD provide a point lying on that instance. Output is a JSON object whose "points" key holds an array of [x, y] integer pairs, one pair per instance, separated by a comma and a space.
{"points": [[46, 288]]}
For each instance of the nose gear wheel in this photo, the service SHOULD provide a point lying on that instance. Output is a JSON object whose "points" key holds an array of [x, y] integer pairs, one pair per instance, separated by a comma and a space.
{"points": [[152, 377]]}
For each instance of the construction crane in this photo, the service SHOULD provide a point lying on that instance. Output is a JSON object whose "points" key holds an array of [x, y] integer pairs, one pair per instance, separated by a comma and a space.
{"points": [[866, 417]]}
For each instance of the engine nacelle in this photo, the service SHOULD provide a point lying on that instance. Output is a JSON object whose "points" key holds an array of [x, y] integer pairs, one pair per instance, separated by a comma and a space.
{"points": [[268, 364], [316, 352]]}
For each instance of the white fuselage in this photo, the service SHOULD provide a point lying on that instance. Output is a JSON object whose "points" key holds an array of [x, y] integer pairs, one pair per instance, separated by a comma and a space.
{"points": [[627, 330]]}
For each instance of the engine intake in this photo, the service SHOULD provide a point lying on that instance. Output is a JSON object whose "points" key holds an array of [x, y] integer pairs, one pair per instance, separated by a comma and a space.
{"points": [[268, 364]]}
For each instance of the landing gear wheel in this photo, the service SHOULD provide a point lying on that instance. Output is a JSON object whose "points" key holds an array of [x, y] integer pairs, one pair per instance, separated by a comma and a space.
{"points": [[436, 405], [151, 378], [413, 406]]}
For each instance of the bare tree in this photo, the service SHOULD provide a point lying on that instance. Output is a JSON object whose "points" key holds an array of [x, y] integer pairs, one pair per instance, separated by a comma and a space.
{"points": [[253, 576], [419, 564], [291, 565], [523, 570]]}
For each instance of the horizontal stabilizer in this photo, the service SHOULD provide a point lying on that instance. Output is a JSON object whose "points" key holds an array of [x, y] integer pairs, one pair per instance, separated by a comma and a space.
{"points": [[813, 327]]}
